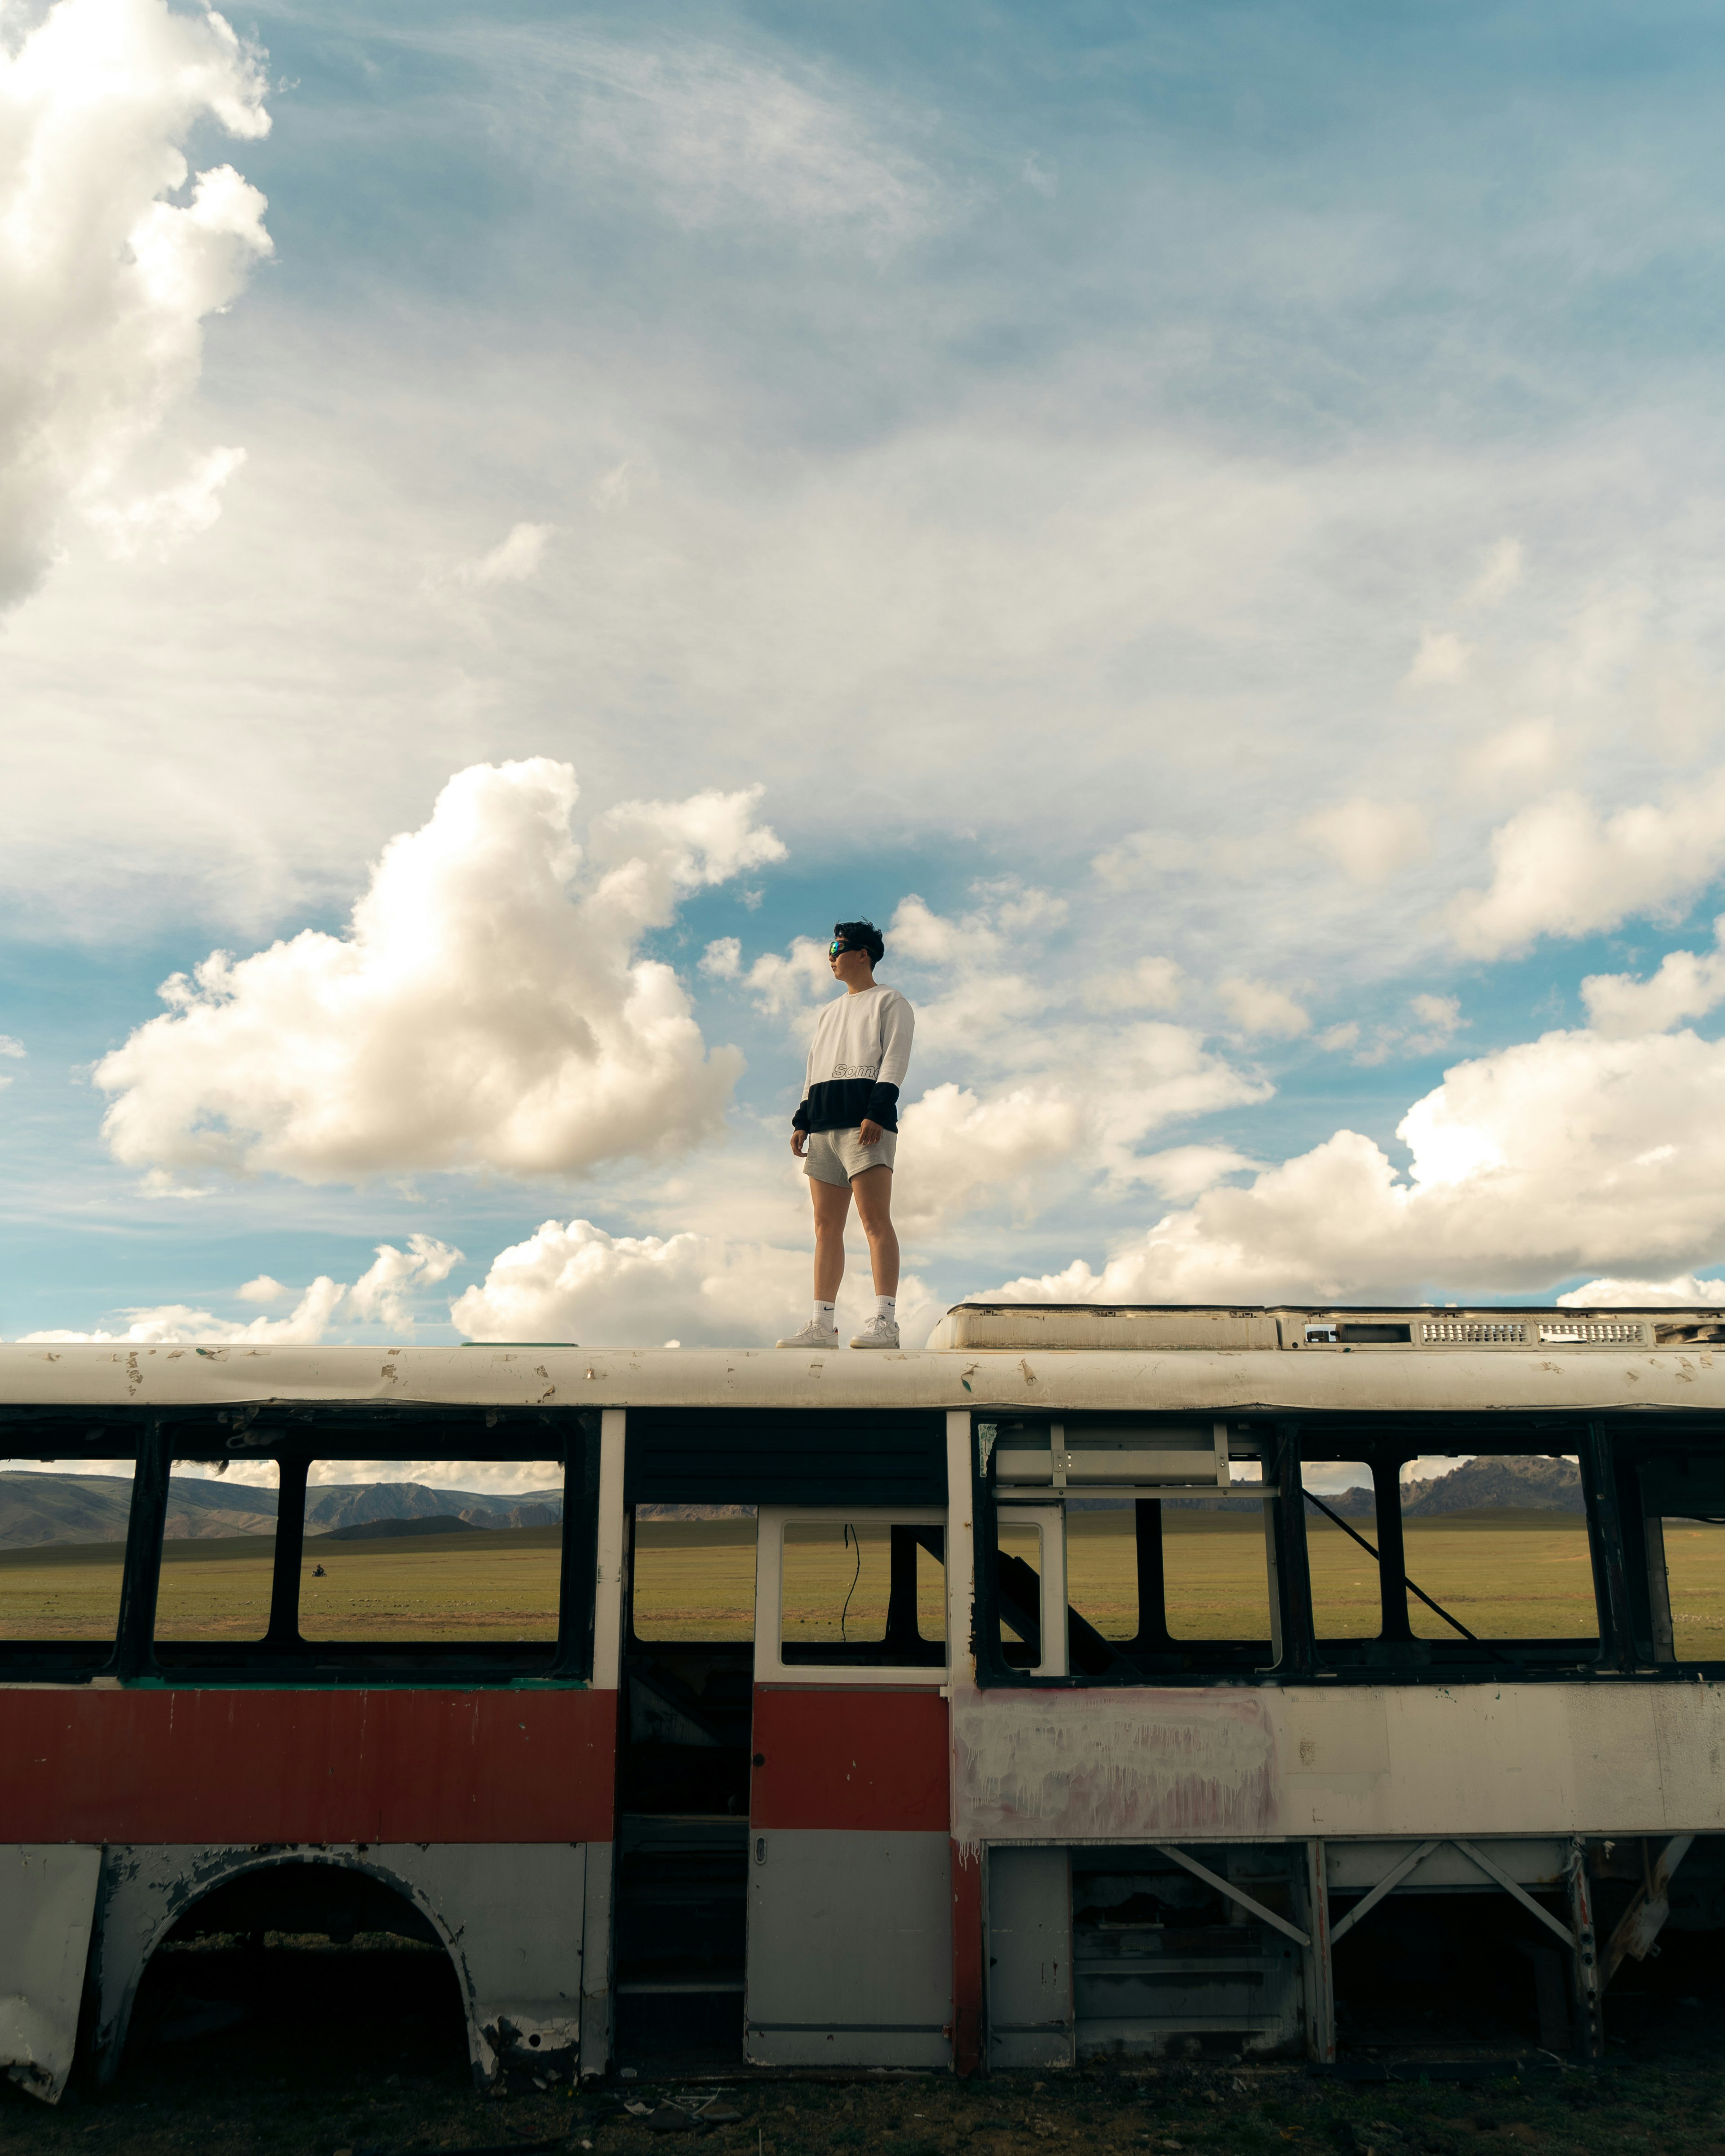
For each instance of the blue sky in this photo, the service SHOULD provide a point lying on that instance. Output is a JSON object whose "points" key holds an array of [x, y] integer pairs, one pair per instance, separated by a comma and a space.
{"points": [[1221, 506]]}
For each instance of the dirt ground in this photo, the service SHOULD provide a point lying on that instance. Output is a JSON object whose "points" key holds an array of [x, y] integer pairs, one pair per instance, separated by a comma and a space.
{"points": [[363, 2052]]}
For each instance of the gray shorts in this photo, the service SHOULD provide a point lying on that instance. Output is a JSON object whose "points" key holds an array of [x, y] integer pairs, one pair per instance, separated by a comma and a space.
{"points": [[835, 1156]]}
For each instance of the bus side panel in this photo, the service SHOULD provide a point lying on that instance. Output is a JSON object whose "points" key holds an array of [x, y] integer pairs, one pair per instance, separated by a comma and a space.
{"points": [[47, 1909], [1418, 1760], [160, 1765], [849, 1910]]}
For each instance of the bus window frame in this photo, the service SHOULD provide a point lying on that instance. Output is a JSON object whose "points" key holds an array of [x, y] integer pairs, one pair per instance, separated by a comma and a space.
{"points": [[45, 1436], [1615, 1455], [294, 1435], [770, 1666]]}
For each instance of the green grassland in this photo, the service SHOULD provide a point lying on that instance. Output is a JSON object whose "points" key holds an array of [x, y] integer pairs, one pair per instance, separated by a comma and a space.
{"points": [[1503, 1575]]}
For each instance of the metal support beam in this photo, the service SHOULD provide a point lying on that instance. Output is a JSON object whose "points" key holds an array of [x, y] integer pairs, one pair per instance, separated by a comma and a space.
{"points": [[1640, 1923], [1387, 1884], [1589, 1989], [1320, 1976], [1234, 1893], [1598, 1491], [1513, 1886]]}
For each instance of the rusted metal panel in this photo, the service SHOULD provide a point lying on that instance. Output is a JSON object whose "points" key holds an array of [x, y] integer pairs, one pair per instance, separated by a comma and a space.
{"points": [[1574, 1376], [47, 1908], [1405, 1761], [852, 1759], [510, 1916], [148, 1765]]}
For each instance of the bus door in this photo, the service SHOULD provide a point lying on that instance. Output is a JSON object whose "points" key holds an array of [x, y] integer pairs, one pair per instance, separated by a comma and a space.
{"points": [[849, 1937]]}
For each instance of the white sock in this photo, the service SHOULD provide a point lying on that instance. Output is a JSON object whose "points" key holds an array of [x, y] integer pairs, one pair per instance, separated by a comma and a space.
{"points": [[886, 1306], [825, 1314]]}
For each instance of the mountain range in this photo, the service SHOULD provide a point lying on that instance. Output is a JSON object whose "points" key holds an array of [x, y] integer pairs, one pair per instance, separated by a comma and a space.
{"points": [[48, 1507], [1519, 1482]]}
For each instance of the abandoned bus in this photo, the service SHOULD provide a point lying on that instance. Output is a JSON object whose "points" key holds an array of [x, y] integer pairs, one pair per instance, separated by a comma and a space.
{"points": [[1094, 1682]]}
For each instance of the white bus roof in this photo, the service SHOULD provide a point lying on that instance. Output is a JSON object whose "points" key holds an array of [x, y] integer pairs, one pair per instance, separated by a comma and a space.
{"points": [[1074, 1359]]}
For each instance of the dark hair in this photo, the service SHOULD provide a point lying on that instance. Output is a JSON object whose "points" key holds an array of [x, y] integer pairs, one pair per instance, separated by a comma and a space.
{"points": [[862, 935]]}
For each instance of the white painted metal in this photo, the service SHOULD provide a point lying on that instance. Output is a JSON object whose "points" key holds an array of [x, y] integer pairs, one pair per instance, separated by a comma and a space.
{"points": [[1029, 1963], [48, 1895], [1587, 1977], [850, 1948], [1387, 1884], [598, 1958], [1358, 1867], [1642, 1923], [1319, 1973], [1091, 1455], [1049, 1521], [770, 1666], [1403, 1762], [1227, 1888], [1515, 1887], [1566, 1376], [510, 1915]]}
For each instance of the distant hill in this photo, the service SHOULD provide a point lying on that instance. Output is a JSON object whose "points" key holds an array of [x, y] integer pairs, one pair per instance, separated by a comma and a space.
{"points": [[348, 1504], [378, 1530], [93, 1508], [49, 1507], [1523, 1482]]}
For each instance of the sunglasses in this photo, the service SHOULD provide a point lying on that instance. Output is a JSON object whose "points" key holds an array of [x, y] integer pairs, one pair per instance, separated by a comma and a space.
{"points": [[836, 946]]}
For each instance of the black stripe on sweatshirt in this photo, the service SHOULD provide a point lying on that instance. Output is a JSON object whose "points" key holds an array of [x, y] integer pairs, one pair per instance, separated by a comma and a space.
{"points": [[840, 1104]]}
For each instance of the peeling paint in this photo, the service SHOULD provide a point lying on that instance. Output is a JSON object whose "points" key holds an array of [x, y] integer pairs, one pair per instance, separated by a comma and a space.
{"points": [[1127, 1766]]}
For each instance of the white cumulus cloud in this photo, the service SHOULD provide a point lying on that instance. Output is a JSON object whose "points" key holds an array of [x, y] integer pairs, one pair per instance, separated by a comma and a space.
{"points": [[1647, 1294], [577, 1282], [378, 1296], [1561, 869], [1564, 1155], [105, 280], [170, 1321], [486, 1007], [1688, 984]]}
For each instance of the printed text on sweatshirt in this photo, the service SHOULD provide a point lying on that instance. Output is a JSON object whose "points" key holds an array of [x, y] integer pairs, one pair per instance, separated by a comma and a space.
{"points": [[857, 1062]]}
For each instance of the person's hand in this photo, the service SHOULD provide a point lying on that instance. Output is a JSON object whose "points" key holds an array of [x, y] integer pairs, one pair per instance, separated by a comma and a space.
{"points": [[869, 1133], [799, 1142]]}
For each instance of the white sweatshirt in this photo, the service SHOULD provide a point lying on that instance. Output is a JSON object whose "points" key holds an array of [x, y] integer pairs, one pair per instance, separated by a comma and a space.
{"points": [[857, 1062]]}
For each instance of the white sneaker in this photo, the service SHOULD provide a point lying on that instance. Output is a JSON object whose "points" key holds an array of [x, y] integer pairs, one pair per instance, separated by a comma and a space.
{"points": [[878, 1332], [814, 1336]]}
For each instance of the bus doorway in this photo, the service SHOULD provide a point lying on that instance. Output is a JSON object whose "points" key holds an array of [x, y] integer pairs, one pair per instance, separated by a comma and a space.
{"points": [[683, 1774], [849, 1888], [783, 1864]]}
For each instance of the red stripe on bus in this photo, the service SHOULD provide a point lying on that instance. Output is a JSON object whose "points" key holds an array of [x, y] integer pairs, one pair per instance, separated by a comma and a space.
{"points": [[170, 1766], [849, 1759], [967, 1960]]}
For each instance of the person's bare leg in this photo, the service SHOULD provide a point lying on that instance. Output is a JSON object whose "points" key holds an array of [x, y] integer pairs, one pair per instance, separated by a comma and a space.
{"points": [[832, 1203], [873, 1189]]}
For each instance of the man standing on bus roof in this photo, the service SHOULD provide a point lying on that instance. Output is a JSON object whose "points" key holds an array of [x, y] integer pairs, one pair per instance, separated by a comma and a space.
{"points": [[845, 1132]]}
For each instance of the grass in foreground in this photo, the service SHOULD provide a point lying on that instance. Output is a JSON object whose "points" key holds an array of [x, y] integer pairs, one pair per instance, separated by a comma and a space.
{"points": [[362, 2050], [1506, 1575]]}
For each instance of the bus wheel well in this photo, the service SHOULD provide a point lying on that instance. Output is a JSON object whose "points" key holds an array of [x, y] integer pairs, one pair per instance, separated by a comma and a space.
{"points": [[150, 1897]]}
